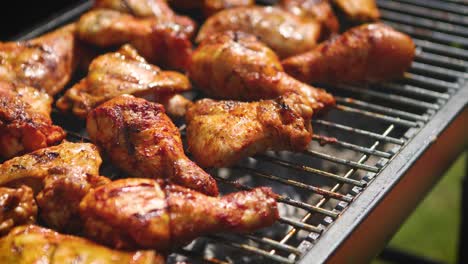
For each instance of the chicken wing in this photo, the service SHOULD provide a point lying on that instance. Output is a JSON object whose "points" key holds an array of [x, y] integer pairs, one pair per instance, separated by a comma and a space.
{"points": [[123, 72], [283, 32], [160, 43], [141, 140], [220, 133], [168, 216], [45, 63], [208, 7], [33, 244], [368, 53], [242, 68], [25, 127], [319, 10], [151, 8], [359, 10], [18, 208], [61, 175]]}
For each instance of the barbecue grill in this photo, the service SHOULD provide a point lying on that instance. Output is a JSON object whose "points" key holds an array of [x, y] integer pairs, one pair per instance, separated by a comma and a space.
{"points": [[372, 159]]}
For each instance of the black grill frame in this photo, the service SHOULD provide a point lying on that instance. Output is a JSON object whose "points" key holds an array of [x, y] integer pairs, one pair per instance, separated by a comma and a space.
{"points": [[448, 110]]}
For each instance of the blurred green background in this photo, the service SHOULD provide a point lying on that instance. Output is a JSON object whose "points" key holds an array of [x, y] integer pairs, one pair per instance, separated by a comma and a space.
{"points": [[432, 230]]}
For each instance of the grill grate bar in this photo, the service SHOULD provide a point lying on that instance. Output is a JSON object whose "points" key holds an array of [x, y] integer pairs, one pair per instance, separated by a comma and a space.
{"points": [[445, 60], [360, 131], [439, 5], [311, 170], [275, 244], [440, 48], [428, 81], [422, 11], [346, 162], [428, 34], [383, 109], [282, 199], [438, 70], [324, 140], [198, 256], [252, 249], [415, 90], [297, 184], [425, 23], [300, 225], [390, 97], [382, 117], [335, 188]]}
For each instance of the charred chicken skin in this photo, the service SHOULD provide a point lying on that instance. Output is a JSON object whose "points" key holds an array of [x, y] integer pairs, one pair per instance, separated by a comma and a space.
{"points": [[25, 123], [45, 63], [208, 7], [319, 10], [18, 208], [140, 213], [220, 133], [359, 10], [141, 140], [242, 68], [61, 176], [161, 43], [283, 32], [33, 244], [367, 53], [124, 72]]}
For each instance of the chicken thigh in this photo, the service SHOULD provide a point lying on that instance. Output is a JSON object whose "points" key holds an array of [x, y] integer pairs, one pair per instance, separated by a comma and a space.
{"points": [[124, 72]]}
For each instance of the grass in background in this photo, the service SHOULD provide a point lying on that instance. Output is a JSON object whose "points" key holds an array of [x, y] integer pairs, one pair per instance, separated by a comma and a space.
{"points": [[432, 230]]}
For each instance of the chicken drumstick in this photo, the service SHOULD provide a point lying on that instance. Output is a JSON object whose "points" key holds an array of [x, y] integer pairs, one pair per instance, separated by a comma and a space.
{"points": [[141, 140]]}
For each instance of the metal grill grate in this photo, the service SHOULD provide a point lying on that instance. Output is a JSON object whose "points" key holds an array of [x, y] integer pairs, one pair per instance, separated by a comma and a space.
{"points": [[353, 143]]}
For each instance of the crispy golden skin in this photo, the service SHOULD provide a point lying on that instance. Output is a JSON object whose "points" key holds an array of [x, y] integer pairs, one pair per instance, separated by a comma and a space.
{"points": [[283, 32], [123, 72], [33, 244], [242, 68], [45, 63], [61, 175], [151, 8], [220, 133], [208, 7], [160, 43], [141, 140], [25, 123], [367, 53], [140, 213], [18, 207], [359, 10], [319, 10]]}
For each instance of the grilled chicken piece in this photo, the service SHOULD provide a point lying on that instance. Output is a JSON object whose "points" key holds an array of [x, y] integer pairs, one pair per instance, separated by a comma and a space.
{"points": [[25, 127], [359, 10], [319, 10], [18, 208], [63, 190], [169, 216], [208, 7], [61, 175], [368, 53], [33, 244], [242, 68], [158, 42], [45, 63], [124, 72], [151, 8], [220, 133], [283, 32], [141, 140]]}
